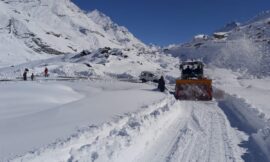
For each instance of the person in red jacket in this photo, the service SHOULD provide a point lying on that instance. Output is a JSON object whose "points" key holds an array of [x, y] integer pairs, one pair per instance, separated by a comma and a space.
{"points": [[46, 72]]}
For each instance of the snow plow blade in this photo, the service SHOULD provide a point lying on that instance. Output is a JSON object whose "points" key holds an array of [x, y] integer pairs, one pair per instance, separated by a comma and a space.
{"points": [[198, 90]]}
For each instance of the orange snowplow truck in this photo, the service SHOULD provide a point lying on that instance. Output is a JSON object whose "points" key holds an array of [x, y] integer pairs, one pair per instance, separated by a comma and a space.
{"points": [[193, 85]]}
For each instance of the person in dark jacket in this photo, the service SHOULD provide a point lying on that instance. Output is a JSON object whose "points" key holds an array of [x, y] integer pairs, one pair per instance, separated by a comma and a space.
{"points": [[32, 76], [161, 84], [25, 75]]}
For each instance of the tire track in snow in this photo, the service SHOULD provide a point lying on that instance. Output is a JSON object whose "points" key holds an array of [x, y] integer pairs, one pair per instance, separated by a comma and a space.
{"points": [[109, 141], [248, 119], [205, 135], [168, 131]]}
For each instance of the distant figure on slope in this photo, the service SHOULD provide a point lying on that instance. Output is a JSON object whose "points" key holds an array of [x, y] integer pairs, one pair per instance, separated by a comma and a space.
{"points": [[25, 74], [161, 84], [46, 72], [32, 76]]}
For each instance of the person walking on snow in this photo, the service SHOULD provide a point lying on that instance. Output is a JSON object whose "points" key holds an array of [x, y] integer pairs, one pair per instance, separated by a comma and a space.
{"points": [[32, 76], [25, 74], [161, 84], [46, 74]]}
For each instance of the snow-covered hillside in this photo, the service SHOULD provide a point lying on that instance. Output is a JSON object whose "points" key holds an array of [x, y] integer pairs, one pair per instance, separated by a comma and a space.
{"points": [[101, 63], [239, 47], [35, 29]]}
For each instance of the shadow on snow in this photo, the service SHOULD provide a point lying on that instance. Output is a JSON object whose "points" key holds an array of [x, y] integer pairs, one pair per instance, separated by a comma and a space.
{"points": [[254, 153]]}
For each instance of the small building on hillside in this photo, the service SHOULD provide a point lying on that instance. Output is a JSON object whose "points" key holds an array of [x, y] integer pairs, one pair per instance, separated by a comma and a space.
{"points": [[220, 35], [201, 37]]}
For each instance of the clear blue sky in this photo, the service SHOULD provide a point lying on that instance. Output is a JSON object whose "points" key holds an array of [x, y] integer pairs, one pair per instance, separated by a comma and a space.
{"points": [[166, 22]]}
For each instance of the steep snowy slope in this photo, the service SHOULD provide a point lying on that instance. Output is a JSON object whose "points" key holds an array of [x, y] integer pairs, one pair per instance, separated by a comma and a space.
{"points": [[239, 47], [49, 27], [118, 33]]}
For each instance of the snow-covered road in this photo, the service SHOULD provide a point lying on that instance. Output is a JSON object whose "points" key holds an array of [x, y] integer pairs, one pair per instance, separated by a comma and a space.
{"points": [[137, 123], [168, 130], [203, 133]]}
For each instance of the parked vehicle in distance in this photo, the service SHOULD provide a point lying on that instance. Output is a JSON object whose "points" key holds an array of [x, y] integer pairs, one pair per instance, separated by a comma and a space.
{"points": [[147, 76]]}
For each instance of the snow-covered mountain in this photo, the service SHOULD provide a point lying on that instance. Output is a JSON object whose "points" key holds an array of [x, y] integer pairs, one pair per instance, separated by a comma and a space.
{"points": [[71, 43], [35, 29], [239, 47], [230, 26]]}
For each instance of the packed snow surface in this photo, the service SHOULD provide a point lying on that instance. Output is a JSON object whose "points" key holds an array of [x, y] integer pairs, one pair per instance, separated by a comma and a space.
{"points": [[33, 114], [109, 120], [167, 130]]}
